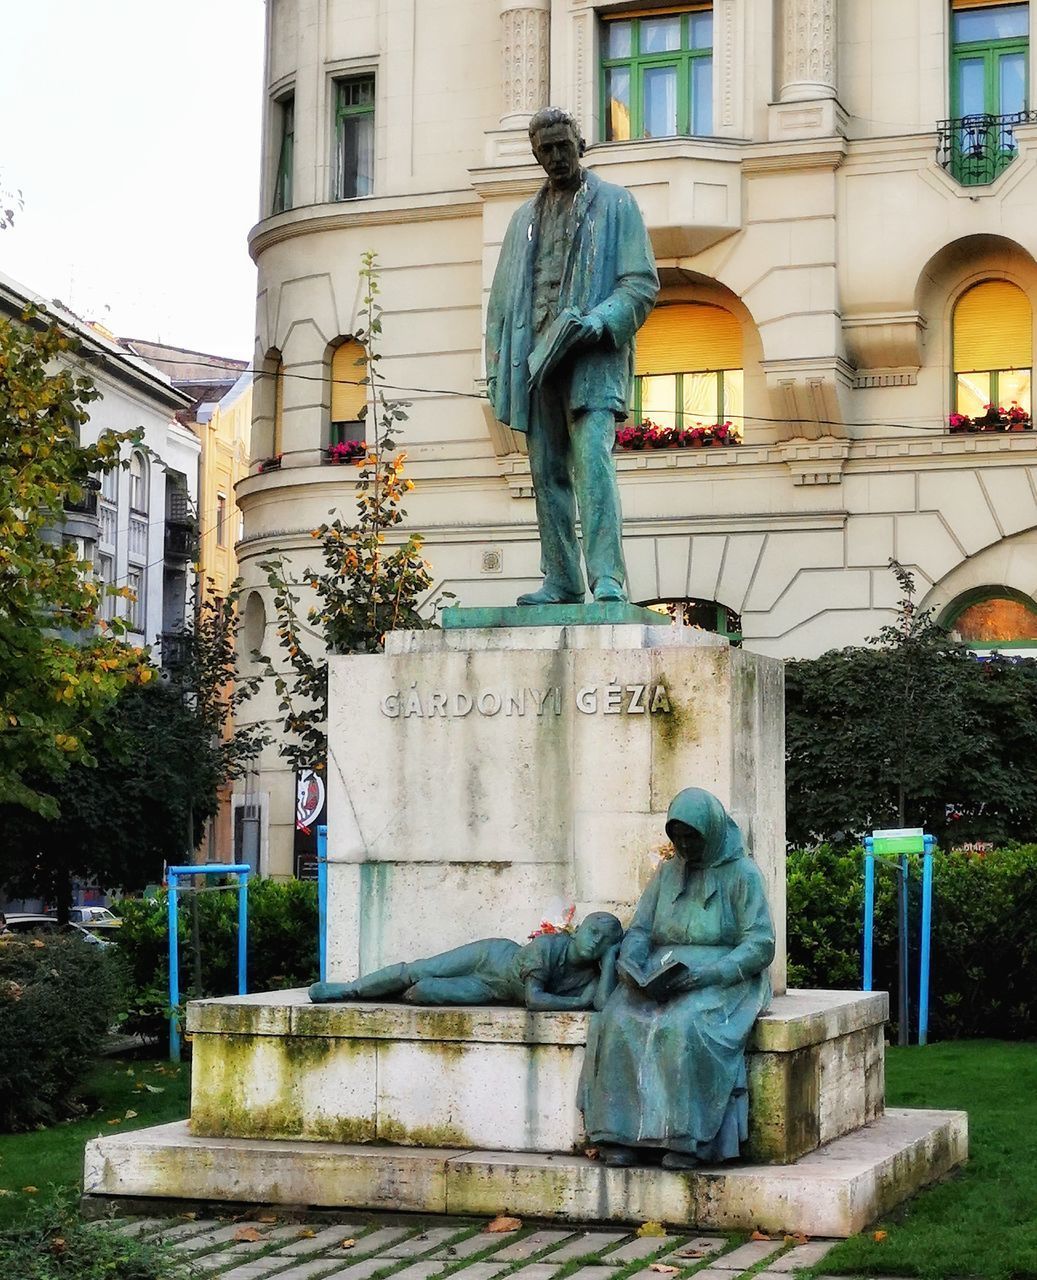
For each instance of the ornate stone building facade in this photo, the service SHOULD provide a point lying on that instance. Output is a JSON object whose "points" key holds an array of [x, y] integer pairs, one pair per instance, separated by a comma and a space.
{"points": [[842, 198]]}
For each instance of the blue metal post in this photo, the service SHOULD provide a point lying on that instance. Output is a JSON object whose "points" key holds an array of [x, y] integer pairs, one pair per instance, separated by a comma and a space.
{"points": [[927, 925], [174, 971], [242, 933], [322, 900], [869, 914]]}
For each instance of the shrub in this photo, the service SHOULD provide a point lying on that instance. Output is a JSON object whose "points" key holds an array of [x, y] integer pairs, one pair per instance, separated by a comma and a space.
{"points": [[53, 1243], [282, 945], [984, 943], [58, 998]]}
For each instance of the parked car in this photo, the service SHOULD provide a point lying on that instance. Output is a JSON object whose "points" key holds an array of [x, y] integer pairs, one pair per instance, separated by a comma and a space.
{"points": [[95, 917], [22, 922]]}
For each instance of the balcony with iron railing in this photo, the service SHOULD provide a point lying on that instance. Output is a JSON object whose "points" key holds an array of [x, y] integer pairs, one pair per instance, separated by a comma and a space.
{"points": [[175, 650], [976, 149], [181, 532], [87, 504]]}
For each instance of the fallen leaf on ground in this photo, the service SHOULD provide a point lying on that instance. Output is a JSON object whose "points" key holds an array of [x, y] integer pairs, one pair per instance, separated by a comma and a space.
{"points": [[58, 1244], [879, 1236], [759, 1235], [30, 1191], [691, 1253], [797, 1238], [266, 1217], [117, 1120], [154, 1088], [663, 1269], [307, 1233], [190, 1217], [651, 1228], [130, 1115], [250, 1234], [502, 1224], [347, 1244]]}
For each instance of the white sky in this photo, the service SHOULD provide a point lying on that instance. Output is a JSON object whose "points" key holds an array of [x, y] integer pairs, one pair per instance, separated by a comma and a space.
{"points": [[131, 128]]}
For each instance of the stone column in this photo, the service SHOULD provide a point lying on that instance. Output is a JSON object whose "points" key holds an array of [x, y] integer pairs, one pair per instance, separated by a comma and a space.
{"points": [[808, 50], [525, 59]]}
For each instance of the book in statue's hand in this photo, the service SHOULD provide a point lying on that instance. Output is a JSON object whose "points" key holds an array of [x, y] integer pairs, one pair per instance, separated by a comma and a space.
{"points": [[658, 982], [560, 339]]}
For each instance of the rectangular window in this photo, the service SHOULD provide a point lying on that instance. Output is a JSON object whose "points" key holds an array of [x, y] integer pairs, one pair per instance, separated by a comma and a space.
{"points": [[283, 181], [998, 387], [354, 137], [657, 75], [686, 400], [106, 574], [135, 610], [221, 519], [989, 90]]}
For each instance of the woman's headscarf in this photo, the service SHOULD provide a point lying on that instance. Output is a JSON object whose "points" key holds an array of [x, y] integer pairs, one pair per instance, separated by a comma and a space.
{"points": [[704, 812]]}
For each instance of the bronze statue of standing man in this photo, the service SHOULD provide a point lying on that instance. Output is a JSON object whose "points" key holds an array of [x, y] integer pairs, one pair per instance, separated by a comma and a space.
{"points": [[575, 281]]}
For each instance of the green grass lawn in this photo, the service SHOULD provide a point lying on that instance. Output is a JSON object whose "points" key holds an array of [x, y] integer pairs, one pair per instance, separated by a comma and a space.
{"points": [[983, 1220], [51, 1160]]}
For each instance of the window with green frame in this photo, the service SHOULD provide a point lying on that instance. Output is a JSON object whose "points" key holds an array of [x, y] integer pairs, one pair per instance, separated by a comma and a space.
{"points": [[283, 181], [657, 74], [354, 137], [688, 366], [993, 618], [989, 87], [685, 400]]}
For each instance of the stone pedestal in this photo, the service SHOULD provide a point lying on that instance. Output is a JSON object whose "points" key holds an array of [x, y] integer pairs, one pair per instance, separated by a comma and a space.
{"points": [[480, 779], [497, 1079]]}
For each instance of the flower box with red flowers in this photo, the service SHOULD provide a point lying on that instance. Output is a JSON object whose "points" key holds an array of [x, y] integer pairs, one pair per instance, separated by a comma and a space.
{"points": [[346, 451], [648, 435]]}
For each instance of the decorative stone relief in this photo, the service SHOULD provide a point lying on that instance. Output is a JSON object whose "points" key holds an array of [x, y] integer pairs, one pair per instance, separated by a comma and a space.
{"points": [[525, 46], [808, 53]]}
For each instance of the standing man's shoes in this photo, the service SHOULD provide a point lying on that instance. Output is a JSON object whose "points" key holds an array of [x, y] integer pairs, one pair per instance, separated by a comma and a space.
{"points": [[544, 595], [617, 1157], [608, 589]]}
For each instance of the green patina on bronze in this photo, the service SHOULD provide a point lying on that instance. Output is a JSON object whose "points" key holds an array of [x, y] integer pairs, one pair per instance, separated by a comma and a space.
{"points": [[665, 1064], [574, 282], [595, 613], [552, 973]]}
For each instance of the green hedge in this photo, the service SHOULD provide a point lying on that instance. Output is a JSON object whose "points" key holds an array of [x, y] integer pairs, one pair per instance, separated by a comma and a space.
{"points": [[282, 945], [984, 957], [58, 998]]}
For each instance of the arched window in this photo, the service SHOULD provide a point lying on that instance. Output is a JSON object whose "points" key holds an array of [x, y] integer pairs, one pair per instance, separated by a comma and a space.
{"points": [[993, 618], [993, 348], [138, 483], [348, 394], [704, 615], [689, 366], [253, 624]]}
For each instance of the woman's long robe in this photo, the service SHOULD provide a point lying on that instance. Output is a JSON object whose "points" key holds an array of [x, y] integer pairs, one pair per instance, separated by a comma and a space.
{"points": [[672, 1075]]}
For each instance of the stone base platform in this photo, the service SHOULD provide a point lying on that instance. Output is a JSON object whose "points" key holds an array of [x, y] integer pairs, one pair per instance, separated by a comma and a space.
{"points": [[276, 1066], [835, 1191]]}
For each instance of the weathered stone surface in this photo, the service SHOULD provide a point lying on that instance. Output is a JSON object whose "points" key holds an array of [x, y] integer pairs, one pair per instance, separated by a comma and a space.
{"points": [[503, 1079], [747, 1255], [803, 1255], [537, 773]]}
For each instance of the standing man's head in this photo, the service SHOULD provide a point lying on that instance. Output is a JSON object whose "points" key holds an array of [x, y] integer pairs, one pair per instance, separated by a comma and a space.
{"points": [[558, 145]]}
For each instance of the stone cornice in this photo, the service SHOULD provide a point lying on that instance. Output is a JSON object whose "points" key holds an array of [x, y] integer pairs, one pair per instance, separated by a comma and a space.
{"points": [[787, 157], [382, 211]]}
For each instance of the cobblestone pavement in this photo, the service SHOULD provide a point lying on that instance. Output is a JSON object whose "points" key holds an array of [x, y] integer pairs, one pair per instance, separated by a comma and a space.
{"points": [[434, 1249]]}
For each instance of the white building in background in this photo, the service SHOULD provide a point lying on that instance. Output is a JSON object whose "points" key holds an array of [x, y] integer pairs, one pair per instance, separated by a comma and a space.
{"points": [[140, 527], [842, 198]]}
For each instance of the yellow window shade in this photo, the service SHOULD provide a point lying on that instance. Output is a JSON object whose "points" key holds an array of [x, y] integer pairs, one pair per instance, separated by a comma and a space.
{"points": [[993, 328], [687, 337], [975, 4], [347, 398]]}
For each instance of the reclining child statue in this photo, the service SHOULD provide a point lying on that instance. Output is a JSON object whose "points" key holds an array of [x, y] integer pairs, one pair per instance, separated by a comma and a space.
{"points": [[552, 973]]}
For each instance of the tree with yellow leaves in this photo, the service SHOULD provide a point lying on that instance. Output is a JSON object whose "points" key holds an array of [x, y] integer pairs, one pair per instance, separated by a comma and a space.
{"points": [[60, 661], [368, 584]]}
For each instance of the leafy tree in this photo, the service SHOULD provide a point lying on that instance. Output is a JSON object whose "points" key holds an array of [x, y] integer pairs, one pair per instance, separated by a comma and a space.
{"points": [[363, 589], [60, 661], [914, 731], [163, 752]]}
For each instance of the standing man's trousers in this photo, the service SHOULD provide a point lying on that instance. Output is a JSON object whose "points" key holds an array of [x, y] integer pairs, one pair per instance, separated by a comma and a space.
{"points": [[571, 462]]}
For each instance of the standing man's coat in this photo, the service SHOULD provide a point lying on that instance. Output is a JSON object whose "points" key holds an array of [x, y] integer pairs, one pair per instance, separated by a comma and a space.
{"points": [[609, 270]]}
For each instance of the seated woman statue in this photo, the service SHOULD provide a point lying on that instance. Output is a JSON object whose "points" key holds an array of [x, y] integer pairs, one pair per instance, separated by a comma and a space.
{"points": [[552, 973], [665, 1064]]}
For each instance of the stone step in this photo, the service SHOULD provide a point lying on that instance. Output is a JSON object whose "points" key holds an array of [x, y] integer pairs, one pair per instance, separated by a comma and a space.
{"points": [[834, 1191]]}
